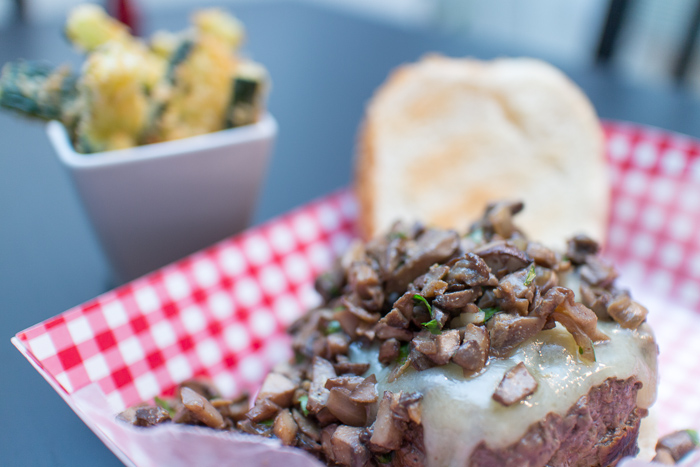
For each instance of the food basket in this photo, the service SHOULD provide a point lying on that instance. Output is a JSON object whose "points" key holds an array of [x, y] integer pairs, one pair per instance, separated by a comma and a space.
{"points": [[221, 313]]}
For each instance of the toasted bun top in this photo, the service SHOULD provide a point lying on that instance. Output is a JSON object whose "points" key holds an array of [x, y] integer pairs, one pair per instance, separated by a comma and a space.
{"points": [[443, 137]]}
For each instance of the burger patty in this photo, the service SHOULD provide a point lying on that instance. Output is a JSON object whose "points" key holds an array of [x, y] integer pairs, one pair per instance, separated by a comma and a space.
{"points": [[599, 430]]}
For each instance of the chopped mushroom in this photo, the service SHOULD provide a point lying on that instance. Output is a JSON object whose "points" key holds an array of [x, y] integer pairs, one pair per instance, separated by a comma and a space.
{"points": [[446, 344], [263, 410], [677, 444], [201, 408], [285, 428], [515, 386], [347, 448], [366, 392], [502, 258], [507, 332], [474, 351], [145, 415], [278, 389], [628, 313], [389, 351], [386, 431], [345, 409]]}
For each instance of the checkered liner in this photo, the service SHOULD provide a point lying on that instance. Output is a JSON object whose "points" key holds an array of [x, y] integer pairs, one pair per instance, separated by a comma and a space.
{"points": [[221, 312]]}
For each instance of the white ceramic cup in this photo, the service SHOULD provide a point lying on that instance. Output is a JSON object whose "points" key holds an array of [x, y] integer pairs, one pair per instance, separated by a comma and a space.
{"points": [[157, 203]]}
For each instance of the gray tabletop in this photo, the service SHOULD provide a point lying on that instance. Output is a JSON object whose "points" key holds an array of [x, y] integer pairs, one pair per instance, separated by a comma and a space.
{"points": [[325, 65]]}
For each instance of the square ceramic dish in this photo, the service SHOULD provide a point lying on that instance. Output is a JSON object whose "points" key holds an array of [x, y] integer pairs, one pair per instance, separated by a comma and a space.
{"points": [[153, 204], [221, 313]]}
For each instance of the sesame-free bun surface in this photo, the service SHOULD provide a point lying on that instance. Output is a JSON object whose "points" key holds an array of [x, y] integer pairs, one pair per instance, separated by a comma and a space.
{"points": [[443, 137]]}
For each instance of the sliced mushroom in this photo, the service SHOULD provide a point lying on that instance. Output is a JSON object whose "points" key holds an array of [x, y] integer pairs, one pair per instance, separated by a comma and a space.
{"points": [[456, 302], [389, 351], [347, 382], [628, 313], [516, 385], [502, 258], [344, 368], [469, 270], [277, 388], [285, 428], [347, 448], [366, 392], [432, 246], [306, 426], [474, 351], [201, 408], [345, 409], [446, 344], [507, 332], [386, 430], [678, 444], [580, 247], [321, 370], [263, 410], [145, 416], [515, 291]]}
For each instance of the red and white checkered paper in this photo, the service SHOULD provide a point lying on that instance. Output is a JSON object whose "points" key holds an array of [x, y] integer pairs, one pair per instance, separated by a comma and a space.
{"points": [[221, 313]]}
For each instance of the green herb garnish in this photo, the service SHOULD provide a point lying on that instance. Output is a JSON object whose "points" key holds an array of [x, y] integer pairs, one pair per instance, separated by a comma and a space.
{"points": [[694, 436], [477, 235], [404, 350], [396, 235], [267, 422], [339, 308], [433, 326], [530, 275], [421, 299], [303, 401], [164, 405], [580, 350], [332, 327], [489, 312], [384, 458]]}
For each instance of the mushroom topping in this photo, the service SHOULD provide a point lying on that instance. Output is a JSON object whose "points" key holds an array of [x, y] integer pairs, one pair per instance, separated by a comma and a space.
{"points": [[366, 391], [145, 416], [502, 258], [676, 445], [446, 344], [306, 426], [469, 270], [515, 291], [285, 428], [582, 324], [507, 332], [474, 351], [389, 351], [628, 313], [515, 386], [432, 246], [598, 272], [347, 448], [278, 389], [201, 408], [345, 409], [542, 255], [386, 430], [321, 370], [580, 248], [347, 382], [263, 410]]}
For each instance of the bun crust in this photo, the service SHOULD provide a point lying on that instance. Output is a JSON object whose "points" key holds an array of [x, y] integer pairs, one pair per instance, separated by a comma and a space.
{"points": [[443, 137]]}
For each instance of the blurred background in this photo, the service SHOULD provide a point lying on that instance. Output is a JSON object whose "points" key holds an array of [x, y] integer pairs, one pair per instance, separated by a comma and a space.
{"points": [[647, 41]]}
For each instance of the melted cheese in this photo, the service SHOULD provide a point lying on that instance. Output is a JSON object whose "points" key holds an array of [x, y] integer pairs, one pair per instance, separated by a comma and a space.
{"points": [[459, 413]]}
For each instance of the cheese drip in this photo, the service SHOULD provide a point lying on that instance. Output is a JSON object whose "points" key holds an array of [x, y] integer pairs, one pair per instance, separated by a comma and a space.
{"points": [[459, 413]]}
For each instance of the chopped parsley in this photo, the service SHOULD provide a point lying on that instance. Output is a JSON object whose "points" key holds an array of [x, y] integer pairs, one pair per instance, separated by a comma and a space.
{"points": [[332, 327], [267, 422], [404, 350], [433, 326], [694, 436], [580, 350], [303, 401], [489, 312], [477, 235], [397, 235], [164, 405], [421, 299], [384, 458], [530, 275]]}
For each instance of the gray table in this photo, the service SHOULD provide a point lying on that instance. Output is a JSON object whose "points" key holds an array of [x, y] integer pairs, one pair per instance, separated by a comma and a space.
{"points": [[325, 66]]}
